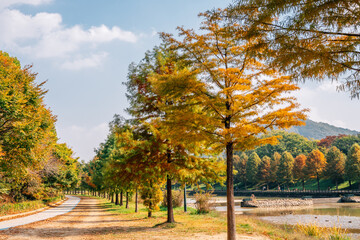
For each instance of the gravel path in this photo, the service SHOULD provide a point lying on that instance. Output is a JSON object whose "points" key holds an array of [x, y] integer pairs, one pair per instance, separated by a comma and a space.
{"points": [[67, 206]]}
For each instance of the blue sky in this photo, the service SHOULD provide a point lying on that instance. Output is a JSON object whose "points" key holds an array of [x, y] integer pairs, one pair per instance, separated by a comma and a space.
{"points": [[83, 49]]}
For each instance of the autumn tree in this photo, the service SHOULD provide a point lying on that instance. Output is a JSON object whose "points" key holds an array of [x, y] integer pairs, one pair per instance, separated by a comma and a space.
{"points": [[284, 172], [298, 169], [146, 107], [226, 96], [27, 130], [252, 168], [310, 39], [352, 164], [315, 165], [264, 174], [335, 165]]}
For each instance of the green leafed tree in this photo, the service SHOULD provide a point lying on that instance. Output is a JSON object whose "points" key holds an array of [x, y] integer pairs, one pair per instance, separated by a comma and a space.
{"points": [[352, 164], [285, 170], [335, 165], [240, 167], [252, 168]]}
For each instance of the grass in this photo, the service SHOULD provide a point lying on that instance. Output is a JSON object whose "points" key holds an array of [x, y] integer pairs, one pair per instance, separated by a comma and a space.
{"points": [[14, 208], [192, 223], [313, 230]]}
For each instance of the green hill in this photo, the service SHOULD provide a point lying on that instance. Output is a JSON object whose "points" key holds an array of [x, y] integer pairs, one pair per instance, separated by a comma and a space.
{"points": [[319, 130]]}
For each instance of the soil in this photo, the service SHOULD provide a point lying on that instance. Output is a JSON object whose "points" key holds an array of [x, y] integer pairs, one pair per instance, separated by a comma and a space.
{"points": [[90, 221]]}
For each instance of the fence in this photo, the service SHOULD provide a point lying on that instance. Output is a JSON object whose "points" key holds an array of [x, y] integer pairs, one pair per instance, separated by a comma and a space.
{"points": [[289, 193]]}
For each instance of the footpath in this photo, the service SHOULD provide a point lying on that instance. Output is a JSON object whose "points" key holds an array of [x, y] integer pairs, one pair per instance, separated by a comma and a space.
{"points": [[66, 207]]}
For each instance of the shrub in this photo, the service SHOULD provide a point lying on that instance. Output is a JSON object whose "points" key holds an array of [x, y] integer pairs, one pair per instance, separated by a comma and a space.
{"points": [[177, 198], [203, 202]]}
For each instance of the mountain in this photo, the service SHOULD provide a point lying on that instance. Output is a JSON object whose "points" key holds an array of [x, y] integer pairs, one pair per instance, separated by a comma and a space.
{"points": [[319, 130]]}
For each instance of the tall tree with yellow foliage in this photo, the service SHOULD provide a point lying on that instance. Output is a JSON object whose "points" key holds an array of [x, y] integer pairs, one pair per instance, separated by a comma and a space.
{"points": [[226, 97], [315, 165], [309, 39]]}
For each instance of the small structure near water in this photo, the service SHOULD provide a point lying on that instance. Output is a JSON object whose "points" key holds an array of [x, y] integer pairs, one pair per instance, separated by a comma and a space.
{"points": [[276, 203], [350, 198]]}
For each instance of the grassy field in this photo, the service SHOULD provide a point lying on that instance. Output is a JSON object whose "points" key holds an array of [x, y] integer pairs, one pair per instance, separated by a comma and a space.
{"points": [[214, 224]]}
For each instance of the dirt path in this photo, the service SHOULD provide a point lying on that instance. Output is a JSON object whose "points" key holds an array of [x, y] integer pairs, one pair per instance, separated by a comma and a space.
{"points": [[90, 221]]}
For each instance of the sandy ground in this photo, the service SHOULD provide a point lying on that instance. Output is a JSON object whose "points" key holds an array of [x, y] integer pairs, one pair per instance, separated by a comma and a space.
{"points": [[90, 221]]}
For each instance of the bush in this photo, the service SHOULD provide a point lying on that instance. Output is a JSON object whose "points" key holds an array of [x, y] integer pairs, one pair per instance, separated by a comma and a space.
{"points": [[203, 202], [177, 198]]}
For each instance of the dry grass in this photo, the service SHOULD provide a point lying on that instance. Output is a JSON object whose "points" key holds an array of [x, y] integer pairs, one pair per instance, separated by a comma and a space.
{"points": [[191, 224], [334, 233]]}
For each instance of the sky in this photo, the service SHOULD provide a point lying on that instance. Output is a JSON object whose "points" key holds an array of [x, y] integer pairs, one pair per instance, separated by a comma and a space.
{"points": [[83, 49]]}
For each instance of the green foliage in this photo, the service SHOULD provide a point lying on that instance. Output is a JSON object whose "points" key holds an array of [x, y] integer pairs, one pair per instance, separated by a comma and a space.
{"points": [[252, 168], [285, 170], [352, 163], [290, 142], [240, 168], [346, 142], [335, 166], [28, 142]]}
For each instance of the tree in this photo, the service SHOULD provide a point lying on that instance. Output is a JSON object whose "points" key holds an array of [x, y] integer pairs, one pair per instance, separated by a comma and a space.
{"points": [[328, 141], [221, 97], [335, 166], [298, 169], [315, 165], [240, 166], [264, 173], [285, 169], [352, 164], [27, 131], [274, 165], [252, 168], [291, 142], [345, 143], [184, 159], [310, 39]]}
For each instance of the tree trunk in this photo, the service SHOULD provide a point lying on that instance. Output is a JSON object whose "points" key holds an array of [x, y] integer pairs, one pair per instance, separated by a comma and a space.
{"points": [[303, 184], [149, 214], [136, 201], [117, 198], [127, 199], [185, 207], [170, 212], [337, 185], [112, 197], [121, 198], [318, 181], [350, 184], [231, 231]]}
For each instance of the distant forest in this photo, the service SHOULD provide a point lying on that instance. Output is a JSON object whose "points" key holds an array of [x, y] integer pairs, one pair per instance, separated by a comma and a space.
{"points": [[296, 159]]}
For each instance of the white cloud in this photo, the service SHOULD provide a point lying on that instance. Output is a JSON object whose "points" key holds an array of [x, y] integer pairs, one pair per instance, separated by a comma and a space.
{"points": [[83, 140], [8, 3], [44, 35], [81, 63]]}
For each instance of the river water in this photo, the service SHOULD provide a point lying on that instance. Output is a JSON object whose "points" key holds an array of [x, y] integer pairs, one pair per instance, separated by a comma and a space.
{"points": [[324, 213]]}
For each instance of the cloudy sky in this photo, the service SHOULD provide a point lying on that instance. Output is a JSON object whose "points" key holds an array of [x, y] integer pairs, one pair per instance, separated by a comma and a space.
{"points": [[83, 49]]}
